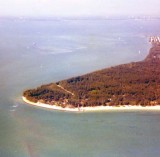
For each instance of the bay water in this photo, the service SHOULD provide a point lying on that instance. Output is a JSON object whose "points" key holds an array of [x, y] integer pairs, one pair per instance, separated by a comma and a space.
{"points": [[39, 51]]}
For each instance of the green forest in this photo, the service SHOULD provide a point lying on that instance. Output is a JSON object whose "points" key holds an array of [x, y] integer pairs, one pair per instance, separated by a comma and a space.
{"points": [[136, 83]]}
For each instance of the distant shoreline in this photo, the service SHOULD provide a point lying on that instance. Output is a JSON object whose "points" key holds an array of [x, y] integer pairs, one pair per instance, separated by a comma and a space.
{"points": [[96, 108]]}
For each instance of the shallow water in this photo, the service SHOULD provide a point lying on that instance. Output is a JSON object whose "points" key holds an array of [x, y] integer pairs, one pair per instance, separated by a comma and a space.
{"points": [[34, 52]]}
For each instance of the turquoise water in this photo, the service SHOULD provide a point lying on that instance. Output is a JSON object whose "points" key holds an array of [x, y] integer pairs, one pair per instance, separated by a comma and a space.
{"points": [[34, 52]]}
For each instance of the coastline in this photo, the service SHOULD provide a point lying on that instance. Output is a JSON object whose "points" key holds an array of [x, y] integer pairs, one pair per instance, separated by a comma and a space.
{"points": [[96, 108]]}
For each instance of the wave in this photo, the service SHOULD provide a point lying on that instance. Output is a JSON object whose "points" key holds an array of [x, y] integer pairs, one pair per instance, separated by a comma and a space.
{"points": [[12, 110], [56, 50], [14, 106]]}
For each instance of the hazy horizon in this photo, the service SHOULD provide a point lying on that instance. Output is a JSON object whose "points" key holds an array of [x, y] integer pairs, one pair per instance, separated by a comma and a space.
{"points": [[147, 17], [78, 8]]}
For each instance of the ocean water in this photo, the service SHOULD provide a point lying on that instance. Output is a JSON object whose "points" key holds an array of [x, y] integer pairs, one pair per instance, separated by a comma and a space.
{"points": [[35, 52]]}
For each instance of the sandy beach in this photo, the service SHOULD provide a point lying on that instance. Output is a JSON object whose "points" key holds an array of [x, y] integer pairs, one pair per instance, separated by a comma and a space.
{"points": [[97, 108]]}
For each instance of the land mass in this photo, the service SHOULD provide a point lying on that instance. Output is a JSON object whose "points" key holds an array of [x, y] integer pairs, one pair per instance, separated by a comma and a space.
{"points": [[131, 84]]}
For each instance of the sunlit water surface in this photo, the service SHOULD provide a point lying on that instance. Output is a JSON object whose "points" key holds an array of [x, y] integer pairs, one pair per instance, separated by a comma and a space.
{"points": [[34, 52]]}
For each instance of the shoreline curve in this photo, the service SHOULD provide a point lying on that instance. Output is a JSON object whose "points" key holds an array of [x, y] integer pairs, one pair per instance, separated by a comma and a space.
{"points": [[96, 108]]}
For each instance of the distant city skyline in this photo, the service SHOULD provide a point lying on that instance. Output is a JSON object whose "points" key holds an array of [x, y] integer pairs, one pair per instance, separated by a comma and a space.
{"points": [[47, 8]]}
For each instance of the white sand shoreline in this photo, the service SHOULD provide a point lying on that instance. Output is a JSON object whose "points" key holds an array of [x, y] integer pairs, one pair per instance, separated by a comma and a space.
{"points": [[97, 108]]}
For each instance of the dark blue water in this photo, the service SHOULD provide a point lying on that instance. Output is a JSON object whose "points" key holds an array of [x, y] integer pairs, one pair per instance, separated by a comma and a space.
{"points": [[34, 52]]}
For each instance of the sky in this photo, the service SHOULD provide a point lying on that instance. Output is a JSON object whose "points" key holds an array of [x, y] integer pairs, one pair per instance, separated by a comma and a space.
{"points": [[38, 8]]}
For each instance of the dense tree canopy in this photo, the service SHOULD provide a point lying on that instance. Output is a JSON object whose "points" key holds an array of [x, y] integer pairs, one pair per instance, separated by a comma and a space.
{"points": [[136, 83]]}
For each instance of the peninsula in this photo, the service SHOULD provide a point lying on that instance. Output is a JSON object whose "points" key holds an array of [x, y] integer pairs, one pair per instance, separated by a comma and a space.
{"points": [[133, 85]]}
